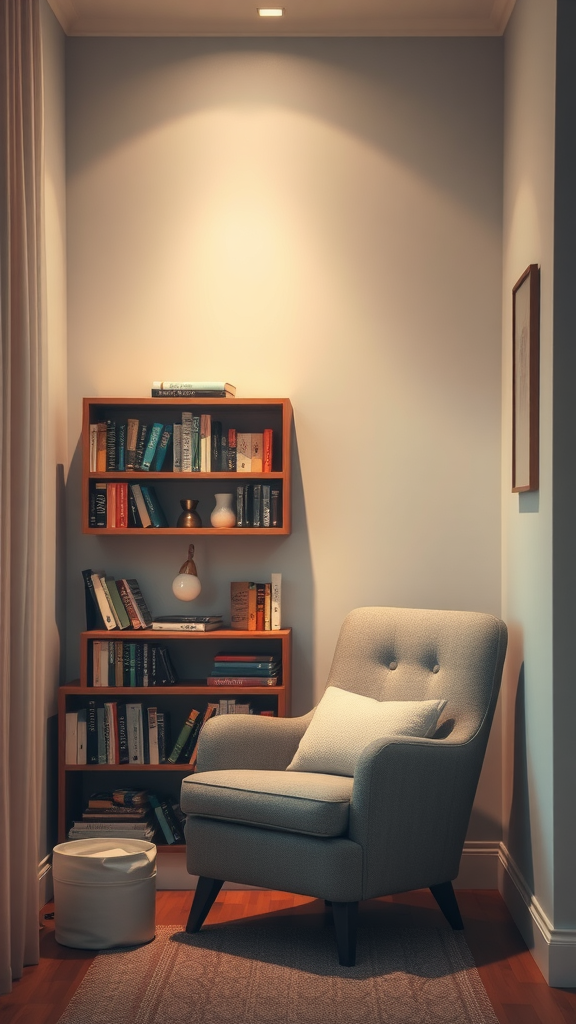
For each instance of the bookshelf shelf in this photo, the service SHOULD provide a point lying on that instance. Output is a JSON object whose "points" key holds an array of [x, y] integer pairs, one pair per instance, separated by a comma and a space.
{"points": [[248, 416], [188, 650]]}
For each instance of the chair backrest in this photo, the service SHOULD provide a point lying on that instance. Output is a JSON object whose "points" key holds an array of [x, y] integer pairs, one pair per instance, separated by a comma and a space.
{"points": [[419, 654]]}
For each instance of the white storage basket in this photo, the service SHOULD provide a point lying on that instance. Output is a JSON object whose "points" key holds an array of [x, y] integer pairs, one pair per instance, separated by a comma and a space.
{"points": [[104, 892]]}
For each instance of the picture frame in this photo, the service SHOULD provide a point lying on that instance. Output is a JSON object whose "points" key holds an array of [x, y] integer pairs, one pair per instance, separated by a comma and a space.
{"points": [[525, 380]]}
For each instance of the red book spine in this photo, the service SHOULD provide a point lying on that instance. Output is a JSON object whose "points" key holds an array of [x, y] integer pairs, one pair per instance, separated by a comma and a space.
{"points": [[111, 505], [267, 453], [122, 505], [260, 597], [231, 681]]}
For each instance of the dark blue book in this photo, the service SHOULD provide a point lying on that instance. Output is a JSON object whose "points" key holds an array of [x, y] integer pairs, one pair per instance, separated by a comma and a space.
{"points": [[121, 447], [154, 507], [163, 446]]}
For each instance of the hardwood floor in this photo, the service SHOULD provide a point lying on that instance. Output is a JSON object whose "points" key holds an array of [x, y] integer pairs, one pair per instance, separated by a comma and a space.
{"points": [[514, 984]]}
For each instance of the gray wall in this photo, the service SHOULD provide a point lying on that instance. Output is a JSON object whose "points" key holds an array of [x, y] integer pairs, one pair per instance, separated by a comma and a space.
{"points": [[319, 219]]}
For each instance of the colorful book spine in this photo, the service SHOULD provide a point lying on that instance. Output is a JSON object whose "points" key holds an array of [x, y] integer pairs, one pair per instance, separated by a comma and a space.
{"points": [[266, 506], [121, 447], [246, 681], [163, 446], [151, 446], [186, 442], [231, 461], [154, 507], [101, 502], [101, 448], [256, 452], [182, 737], [267, 442], [177, 448], [244, 453], [93, 447], [132, 429], [141, 506], [276, 601], [141, 446], [195, 452], [110, 446]]}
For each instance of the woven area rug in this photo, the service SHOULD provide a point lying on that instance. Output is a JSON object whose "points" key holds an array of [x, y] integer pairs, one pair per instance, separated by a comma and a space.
{"points": [[282, 972]]}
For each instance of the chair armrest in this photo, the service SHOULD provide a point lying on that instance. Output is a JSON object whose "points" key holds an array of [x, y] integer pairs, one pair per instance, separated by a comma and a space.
{"points": [[250, 741], [410, 807]]}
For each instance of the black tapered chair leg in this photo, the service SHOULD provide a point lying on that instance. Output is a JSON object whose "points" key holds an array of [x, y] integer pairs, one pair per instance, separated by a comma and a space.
{"points": [[206, 892], [446, 899], [345, 916]]}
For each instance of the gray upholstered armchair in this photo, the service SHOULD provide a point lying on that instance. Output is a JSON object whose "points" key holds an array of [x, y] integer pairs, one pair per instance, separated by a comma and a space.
{"points": [[399, 821]]}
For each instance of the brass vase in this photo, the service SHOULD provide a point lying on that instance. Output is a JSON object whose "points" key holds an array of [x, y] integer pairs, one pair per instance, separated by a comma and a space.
{"points": [[189, 518]]}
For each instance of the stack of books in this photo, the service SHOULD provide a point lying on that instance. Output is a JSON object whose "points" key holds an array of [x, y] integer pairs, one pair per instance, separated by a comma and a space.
{"points": [[114, 604], [192, 389], [245, 670], [188, 623], [129, 814]]}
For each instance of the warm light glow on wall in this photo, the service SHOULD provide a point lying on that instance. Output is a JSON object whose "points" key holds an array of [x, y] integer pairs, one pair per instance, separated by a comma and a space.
{"points": [[270, 12]]}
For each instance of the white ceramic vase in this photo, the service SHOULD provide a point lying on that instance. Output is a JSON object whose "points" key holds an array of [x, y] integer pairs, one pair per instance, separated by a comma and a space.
{"points": [[223, 516]]}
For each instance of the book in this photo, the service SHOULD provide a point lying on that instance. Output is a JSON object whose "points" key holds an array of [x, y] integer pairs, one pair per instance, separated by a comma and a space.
{"points": [[165, 673], [186, 442], [130, 797], [110, 446], [100, 505], [132, 430], [101, 447], [242, 681], [256, 452], [162, 819], [141, 505], [267, 443], [195, 452], [257, 505], [246, 668], [105, 610], [71, 744], [242, 605], [154, 507], [93, 446], [182, 737], [177, 448], [275, 507], [216, 445], [209, 712], [163, 446], [143, 433], [94, 619], [187, 627], [231, 455], [205, 443], [240, 505], [123, 751], [135, 724], [151, 445], [194, 385], [101, 735], [121, 447], [111, 727], [152, 716], [267, 605], [129, 604], [116, 814], [141, 606], [117, 604], [122, 505], [243, 453], [225, 656], [111, 506], [266, 506], [276, 601], [134, 519], [104, 583], [101, 800], [163, 736], [91, 733]]}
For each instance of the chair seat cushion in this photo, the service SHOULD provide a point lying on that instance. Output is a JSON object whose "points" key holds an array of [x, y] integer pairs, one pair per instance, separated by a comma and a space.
{"points": [[312, 804]]}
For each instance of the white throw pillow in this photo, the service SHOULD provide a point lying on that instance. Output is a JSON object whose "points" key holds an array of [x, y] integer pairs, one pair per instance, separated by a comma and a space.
{"points": [[345, 723]]}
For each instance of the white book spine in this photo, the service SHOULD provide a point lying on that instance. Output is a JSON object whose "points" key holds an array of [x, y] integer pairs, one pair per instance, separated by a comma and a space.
{"points": [[71, 737], [153, 736], [134, 731], [276, 601], [103, 602], [244, 453], [186, 442]]}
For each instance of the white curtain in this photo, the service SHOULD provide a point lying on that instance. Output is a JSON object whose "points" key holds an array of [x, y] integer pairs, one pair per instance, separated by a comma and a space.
{"points": [[22, 662]]}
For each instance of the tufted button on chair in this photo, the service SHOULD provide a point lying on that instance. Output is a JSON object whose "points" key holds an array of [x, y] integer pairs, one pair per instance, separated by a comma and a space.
{"points": [[397, 820]]}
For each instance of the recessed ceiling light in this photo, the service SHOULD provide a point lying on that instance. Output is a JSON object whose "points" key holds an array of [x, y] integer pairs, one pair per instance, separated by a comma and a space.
{"points": [[270, 12]]}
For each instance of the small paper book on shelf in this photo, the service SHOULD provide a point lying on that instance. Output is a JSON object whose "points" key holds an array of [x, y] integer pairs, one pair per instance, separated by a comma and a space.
{"points": [[192, 388]]}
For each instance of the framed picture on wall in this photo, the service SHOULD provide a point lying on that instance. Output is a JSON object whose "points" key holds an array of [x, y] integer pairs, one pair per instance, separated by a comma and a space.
{"points": [[525, 379]]}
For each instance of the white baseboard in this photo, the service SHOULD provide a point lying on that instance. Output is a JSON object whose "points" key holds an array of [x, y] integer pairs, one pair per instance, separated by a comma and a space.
{"points": [[478, 869], [553, 949]]}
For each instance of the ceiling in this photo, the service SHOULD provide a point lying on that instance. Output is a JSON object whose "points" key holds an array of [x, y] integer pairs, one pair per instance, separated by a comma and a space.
{"points": [[302, 17]]}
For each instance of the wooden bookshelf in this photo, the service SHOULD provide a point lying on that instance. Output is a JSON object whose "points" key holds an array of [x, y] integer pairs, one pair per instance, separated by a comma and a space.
{"points": [[193, 654], [249, 415]]}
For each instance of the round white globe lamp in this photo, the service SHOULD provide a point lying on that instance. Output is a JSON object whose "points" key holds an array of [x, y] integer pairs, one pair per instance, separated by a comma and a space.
{"points": [[186, 586]]}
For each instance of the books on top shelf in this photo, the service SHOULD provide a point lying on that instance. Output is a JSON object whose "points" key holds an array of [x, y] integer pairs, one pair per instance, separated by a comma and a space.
{"points": [[197, 443], [188, 623], [256, 606]]}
